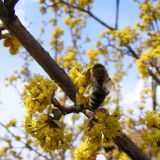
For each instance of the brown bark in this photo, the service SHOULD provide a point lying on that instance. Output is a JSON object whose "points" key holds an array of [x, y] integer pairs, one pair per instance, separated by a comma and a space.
{"points": [[129, 147]]}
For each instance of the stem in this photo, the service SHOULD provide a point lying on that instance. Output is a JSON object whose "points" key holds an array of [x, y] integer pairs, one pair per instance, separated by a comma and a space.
{"points": [[117, 13]]}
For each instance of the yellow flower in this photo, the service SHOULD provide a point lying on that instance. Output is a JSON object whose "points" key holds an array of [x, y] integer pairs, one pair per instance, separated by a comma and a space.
{"points": [[39, 93], [71, 1], [142, 67], [58, 31], [17, 138], [103, 123], [85, 152], [3, 151], [146, 7], [48, 132], [152, 120], [102, 34], [11, 123], [23, 70], [123, 156], [12, 78], [80, 79], [125, 36], [13, 45], [92, 54], [156, 52], [70, 22], [42, 10], [83, 3]]}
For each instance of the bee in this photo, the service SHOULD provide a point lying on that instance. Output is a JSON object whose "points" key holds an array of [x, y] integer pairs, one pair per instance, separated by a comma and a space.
{"points": [[99, 86]]}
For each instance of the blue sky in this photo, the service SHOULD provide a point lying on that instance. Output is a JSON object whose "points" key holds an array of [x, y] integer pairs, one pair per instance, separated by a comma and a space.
{"points": [[28, 11]]}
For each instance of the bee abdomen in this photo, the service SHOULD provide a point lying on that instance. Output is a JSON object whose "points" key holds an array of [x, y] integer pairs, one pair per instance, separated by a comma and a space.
{"points": [[97, 98]]}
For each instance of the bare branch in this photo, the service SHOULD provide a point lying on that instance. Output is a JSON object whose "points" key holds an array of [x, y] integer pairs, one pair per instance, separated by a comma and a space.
{"points": [[130, 148], [67, 110], [117, 13], [27, 145], [134, 54], [89, 13]]}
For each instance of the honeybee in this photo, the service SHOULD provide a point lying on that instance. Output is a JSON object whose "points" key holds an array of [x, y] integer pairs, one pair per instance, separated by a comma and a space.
{"points": [[99, 86]]}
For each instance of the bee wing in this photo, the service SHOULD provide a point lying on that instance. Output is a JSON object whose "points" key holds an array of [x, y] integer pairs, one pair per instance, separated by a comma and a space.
{"points": [[88, 91], [112, 88]]}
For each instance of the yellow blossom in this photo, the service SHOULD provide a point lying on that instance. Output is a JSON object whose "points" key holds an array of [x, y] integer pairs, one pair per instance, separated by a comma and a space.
{"points": [[17, 138], [3, 151], [92, 54], [40, 91], [103, 123], [58, 31], [83, 3], [80, 79], [152, 120], [85, 152], [70, 22], [71, 1], [13, 45], [48, 132], [23, 70], [123, 156], [11, 123]]}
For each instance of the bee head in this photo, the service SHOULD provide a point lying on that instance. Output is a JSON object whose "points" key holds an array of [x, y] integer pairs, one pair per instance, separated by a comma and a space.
{"points": [[99, 71]]}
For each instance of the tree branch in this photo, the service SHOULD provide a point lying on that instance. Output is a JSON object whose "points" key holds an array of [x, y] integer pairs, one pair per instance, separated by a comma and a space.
{"points": [[117, 13], [10, 4], [27, 145], [16, 28], [89, 13], [136, 56], [130, 148]]}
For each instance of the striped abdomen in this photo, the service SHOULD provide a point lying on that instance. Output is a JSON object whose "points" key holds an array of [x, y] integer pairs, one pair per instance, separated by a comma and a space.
{"points": [[97, 98]]}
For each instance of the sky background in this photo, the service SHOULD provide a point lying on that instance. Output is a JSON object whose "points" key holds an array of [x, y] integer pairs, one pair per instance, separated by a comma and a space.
{"points": [[28, 11]]}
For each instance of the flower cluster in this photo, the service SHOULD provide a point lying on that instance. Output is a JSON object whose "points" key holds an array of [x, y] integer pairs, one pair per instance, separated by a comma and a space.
{"points": [[152, 122], [80, 78], [124, 37], [147, 56], [39, 93], [55, 42], [153, 41], [81, 3], [71, 22], [11, 123], [67, 60], [3, 151], [149, 12], [85, 151], [13, 45], [92, 54], [102, 123], [48, 132]]}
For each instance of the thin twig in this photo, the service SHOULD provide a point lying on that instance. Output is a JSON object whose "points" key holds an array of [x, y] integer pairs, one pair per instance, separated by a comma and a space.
{"points": [[117, 13], [26, 145], [89, 13]]}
